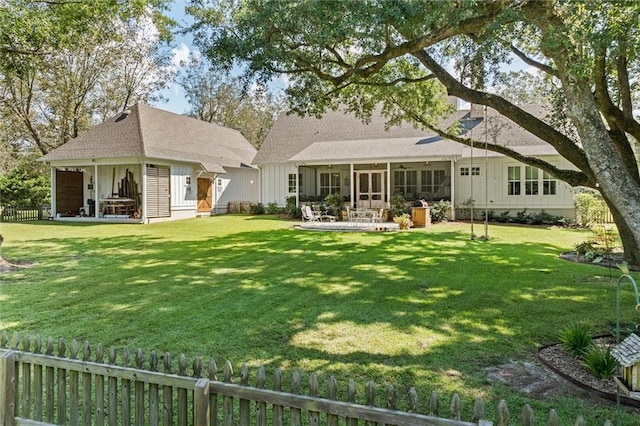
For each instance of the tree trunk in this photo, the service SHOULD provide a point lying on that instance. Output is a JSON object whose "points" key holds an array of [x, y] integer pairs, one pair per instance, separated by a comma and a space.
{"points": [[629, 242]]}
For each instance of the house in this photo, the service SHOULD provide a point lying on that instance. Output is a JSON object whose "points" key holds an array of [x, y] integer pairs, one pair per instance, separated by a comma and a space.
{"points": [[308, 158], [147, 165]]}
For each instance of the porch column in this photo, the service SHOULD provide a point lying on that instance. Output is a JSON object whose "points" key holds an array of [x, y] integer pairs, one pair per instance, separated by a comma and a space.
{"points": [[388, 184], [453, 189], [352, 187], [297, 185], [96, 192], [53, 191], [144, 192]]}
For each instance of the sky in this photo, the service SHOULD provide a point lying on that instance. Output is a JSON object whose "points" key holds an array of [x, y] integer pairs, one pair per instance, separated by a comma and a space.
{"points": [[182, 47]]}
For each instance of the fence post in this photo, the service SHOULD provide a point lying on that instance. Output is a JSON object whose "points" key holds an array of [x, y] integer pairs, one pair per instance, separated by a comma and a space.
{"points": [[201, 402], [7, 386]]}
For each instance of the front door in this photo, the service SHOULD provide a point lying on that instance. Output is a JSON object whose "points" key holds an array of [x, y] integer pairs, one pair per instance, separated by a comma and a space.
{"points": [[370, 189], [205, 200]]}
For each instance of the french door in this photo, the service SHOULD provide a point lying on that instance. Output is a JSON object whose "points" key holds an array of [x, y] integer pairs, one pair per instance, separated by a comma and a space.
{"points": [[370, 189]]}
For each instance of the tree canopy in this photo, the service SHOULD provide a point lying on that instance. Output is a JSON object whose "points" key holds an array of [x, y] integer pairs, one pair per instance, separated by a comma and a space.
{"points": [[407, 55]]}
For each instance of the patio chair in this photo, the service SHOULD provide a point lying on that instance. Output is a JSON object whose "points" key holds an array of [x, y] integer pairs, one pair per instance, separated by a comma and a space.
{"points": [[308, 214]]}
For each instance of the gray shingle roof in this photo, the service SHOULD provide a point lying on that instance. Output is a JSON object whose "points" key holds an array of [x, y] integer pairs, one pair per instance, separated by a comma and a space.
{"points": [[339, 136], [627, 352], [155, 133]]}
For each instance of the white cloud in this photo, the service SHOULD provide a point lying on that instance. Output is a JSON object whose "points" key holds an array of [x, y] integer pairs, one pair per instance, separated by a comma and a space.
{"points": [[180, 55]]}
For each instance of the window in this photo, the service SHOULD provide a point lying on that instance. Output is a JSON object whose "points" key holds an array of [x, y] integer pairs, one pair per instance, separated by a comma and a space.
{"points": [[548, 184], [329, 183], [513, 180], [188, 180], [431, 181], [405, 182], [464, 171], [530, 180], [293, 184]]}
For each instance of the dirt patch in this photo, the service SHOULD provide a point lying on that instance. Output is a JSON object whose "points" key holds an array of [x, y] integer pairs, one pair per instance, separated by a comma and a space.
{"points": [[6, 266], [529, 378]]}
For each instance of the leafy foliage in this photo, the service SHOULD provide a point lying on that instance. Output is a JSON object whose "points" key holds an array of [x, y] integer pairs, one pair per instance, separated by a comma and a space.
{"points": [[398, 205], [576, 339], [218, 98], [440, 211], [394, 56], [335, 202], [599, 362], [404, 220], [26, 185], [589, 208]]}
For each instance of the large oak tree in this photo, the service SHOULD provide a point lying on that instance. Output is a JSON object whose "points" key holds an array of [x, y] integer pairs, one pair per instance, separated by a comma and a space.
{"points": [[400, 54]]}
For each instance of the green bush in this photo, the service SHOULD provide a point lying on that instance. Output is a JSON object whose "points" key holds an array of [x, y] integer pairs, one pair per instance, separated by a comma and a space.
{"points": [[576, 339], [335, 202], [397, 203], [440, 211], [256, 208], [599, 362], [272, 208], [588, 207], [291, 208]]}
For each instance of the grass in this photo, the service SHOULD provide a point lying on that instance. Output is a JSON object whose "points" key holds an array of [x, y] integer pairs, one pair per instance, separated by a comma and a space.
{"points": [[427, 308]]}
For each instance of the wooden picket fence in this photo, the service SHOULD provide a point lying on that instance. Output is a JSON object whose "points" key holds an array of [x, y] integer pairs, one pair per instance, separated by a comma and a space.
{"points": [[41, 386], [24, 214]]}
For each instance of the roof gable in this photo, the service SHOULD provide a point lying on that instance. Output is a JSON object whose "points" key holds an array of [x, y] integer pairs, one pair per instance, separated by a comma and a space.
{"points": [[154, 133], [342, 136]]}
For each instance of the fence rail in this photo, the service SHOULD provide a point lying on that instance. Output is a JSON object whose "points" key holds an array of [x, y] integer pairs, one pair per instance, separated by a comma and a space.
{"points": [[40, 387], [24, 214]]}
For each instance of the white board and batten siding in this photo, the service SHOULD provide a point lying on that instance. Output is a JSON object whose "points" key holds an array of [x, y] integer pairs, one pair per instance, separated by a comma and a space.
{"points": [[237, 185], [275, 183], [490, 188]]}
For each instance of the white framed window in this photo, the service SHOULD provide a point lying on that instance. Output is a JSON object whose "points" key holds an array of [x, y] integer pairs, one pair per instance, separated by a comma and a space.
{"points": [[329, 183], [513, 180], [473, 171], [548, 184], [292, 183], [532, 179], [405, 182], [431, 180], [188, 180]]}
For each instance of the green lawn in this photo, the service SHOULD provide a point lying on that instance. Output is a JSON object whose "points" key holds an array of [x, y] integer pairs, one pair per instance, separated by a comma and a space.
{"points": [[426, 308]]}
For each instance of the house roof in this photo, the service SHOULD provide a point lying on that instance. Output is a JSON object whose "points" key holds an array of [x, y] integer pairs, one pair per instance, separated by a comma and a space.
{"points": [[157, 134], [339, 136], [627, 352]]}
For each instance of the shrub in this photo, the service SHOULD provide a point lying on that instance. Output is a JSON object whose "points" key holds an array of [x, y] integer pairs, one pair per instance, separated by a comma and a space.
{"points": [[440, 211], [291, 208], [256, 208], [576, 339], [397, 203], [588, 208], [272, 208], [335, 202], [599, 362]]}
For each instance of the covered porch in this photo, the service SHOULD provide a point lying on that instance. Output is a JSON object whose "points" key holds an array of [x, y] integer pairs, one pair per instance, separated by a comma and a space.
{"points": [[371, 185]]}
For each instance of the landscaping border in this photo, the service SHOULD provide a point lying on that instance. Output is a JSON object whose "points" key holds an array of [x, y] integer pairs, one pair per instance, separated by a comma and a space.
{"points": [[600, 394]]}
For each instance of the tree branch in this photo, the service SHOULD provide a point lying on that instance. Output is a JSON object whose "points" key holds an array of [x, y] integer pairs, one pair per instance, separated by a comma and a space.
{"points": [[539, 65], [564, 145]]}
